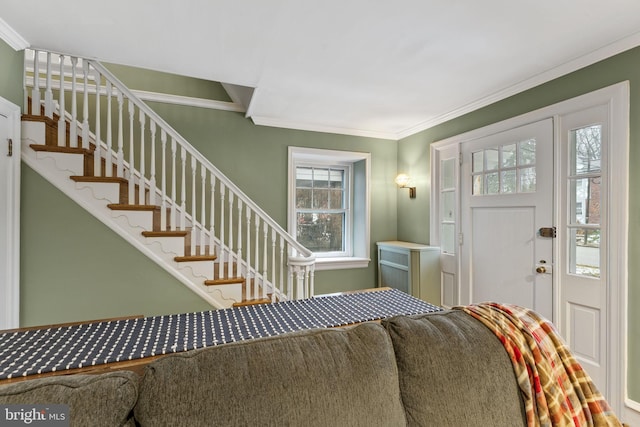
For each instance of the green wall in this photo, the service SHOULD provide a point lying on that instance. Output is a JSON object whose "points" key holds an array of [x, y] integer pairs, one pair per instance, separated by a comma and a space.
{"points": [[74, 268], [413, 154]]}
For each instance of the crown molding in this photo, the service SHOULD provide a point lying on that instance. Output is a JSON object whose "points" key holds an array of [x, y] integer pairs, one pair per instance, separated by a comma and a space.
{"points": [[566, 68], [11, 37], [313, 127], [167, 98]]}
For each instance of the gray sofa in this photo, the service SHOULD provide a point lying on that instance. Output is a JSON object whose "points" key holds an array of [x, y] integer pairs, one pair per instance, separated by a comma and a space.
{"points": [[438, 369]]}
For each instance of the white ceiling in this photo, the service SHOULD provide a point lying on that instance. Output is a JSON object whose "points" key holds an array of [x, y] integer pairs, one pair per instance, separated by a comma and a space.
{"points": [[363, 67]]}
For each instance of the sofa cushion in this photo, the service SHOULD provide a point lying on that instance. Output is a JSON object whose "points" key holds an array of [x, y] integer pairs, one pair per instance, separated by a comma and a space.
{"points": [[454, 372], [321, 377], [93, 400]]}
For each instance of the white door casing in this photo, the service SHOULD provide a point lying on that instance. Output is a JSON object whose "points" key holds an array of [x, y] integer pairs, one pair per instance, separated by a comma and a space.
{"points": [[9, 215], [612, 322], [506, 188]]}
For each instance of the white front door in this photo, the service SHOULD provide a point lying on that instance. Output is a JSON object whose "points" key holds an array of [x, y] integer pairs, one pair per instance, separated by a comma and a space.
{"points": [[9, 214], [507, 218]]}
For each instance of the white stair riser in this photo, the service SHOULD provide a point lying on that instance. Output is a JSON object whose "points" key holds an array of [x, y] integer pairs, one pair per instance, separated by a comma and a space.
{"points": [[104, 191]]}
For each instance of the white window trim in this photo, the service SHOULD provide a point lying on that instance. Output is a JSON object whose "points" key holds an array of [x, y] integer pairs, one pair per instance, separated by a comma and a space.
{"points": [[359, 246]]}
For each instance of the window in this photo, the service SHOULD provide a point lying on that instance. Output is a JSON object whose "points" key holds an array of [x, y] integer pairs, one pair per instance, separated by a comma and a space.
{"points": [[329, 205], [509, 168]]}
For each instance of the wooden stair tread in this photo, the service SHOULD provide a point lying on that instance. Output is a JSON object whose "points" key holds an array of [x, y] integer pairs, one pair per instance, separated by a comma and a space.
{"points": [[107, 179], [167, 233], [126, 207], [190, 258], [225, 281], [58, 149], [252, 302]]}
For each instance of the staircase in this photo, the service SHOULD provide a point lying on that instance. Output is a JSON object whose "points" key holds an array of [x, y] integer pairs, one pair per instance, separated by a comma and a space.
{"points": [[125, 165]]}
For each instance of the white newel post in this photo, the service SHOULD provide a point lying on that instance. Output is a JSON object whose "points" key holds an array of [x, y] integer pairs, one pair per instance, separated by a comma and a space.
{"points": [[152, 172], [120, 154], [183, 188], [163, 190], [109, 157], [97, 154], [142, 161], [230, 244], [132, 160], [193, 206], [212, 213], [35, 92], [173, 184], [223, 256]]}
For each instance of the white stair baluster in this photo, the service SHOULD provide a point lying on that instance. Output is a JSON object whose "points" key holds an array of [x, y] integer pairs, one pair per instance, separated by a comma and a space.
{"points": [[230, 245], [120, 154], [62, 124], [152, 160], [283, 265], [183, 188], [249, 288], [212, 214], [224, 256], [173, 184], [109, 157], [73, 130], [239, 235], [163, 202], [256, 267], [97, 154], [132, 156], [48, 94], [265, 262], [35, 92], [143, 160], [194, 233], [203, 209], [273, 265], [85, 106]]}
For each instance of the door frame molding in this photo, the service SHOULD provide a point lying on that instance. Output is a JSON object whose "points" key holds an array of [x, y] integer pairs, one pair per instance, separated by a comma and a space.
{"points": [[10, 275], [616, 97]]}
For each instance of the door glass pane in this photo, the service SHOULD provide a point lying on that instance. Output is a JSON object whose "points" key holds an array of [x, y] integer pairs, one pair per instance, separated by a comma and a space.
{"points": [[448, 173], [448, 238], [493, 183], [448, 204], [509, 181], [527, 152], [492, 158], [584, 252], [585, 201], [586, 147], [478, 161], [478, 186], [527, 180], [509, 155]]}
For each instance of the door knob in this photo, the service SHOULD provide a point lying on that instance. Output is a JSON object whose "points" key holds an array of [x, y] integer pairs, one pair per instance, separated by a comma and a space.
{"points": [[541, 269]]}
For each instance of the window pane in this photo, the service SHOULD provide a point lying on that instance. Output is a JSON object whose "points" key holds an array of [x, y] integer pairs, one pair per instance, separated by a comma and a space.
{"points": [[586, 145], [478, 186], [321, 232], [336, 178], [527, 180], [448, 205], [303, 198], [448, 238], [478, 161], [585, 201], [448, 173], [527, 152], [584, 252], [321, 178], [509, 181], [493, 183], [509, 155], [491, 155], [336, 200], [321, 199], [304, 177]]}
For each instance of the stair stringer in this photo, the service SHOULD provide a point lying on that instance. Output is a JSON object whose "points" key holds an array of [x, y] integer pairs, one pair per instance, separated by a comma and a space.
{"points": [[58, 173]]}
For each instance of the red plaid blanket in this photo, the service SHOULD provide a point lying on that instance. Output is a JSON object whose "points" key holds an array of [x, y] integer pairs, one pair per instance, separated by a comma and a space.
{"points": [[555, 388]]}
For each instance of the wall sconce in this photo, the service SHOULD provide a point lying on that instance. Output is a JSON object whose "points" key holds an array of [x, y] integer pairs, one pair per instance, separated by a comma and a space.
{"points": [[404, 181]]}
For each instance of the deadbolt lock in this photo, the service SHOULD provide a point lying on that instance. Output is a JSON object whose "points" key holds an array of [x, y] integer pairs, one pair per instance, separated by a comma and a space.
{"points": [[547, 232]]}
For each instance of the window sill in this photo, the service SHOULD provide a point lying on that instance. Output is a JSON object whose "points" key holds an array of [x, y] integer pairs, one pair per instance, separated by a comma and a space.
{"points": [[338, 263]]}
